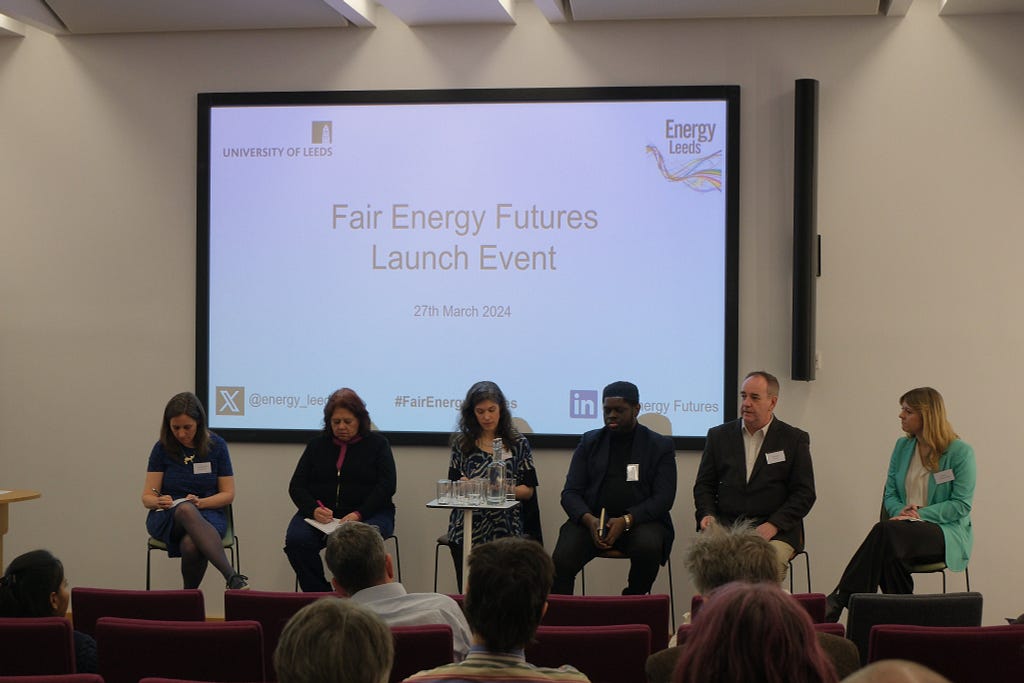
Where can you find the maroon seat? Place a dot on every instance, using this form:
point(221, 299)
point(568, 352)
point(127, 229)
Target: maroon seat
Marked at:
point(609, 610)
point(272, 610)
point(35, 646)
point(89, 604)
point(606, 654)
point(814, 603)
point(132, 649)
point(963, 654)
point(420, 647)
point(54, 678)
point(824, 627)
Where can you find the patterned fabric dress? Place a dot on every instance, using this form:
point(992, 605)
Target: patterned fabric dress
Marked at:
point(491, 524)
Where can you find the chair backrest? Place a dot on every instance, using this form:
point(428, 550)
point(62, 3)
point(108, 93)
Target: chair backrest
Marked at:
point(870, 609)
point(606, 654)
point(994, 654)
point(814, 603)
point(824, 627)
point(89, 604)
point(54, 678)
point(609, 610)
point(272, 610)
point(420, 647)
point(35, 646)
point(132, 649)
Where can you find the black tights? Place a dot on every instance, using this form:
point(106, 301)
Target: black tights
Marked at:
point(200, 543)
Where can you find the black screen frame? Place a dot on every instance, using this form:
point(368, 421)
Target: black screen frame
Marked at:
point(730, 94)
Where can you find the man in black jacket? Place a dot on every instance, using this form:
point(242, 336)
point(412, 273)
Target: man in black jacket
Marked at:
point(757, 468)
point(618, 492)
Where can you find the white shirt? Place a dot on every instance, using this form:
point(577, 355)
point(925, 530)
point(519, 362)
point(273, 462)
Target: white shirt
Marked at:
point(753, 442)
point(396, 607)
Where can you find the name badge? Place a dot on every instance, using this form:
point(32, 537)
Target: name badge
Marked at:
point(943, 476)
point(202, 467)
point(776, 457)
point(633, 472)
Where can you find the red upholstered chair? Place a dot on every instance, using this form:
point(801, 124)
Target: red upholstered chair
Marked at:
point(994, 654)
point(614, 554)
point(814, 603)
point(272, 610)
point(609, 610)
point(606, 654)
point(89, 604)
point(420, 647)
point(157, 679)
point(54, 678)
point(35, 646)
point(824, 627)
point(132, 649)
point(829, 627)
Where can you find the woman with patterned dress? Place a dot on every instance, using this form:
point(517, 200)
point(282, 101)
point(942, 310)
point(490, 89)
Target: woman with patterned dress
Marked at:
point(484, 417)
point(189, 482)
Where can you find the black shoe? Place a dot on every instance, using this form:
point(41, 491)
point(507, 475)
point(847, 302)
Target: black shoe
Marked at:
point(238, 582)
point(833, 608)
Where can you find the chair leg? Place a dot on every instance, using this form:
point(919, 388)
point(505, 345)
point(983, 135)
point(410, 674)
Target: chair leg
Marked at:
point(437, 551)
point(149, 554)
point(583, 580)
point(398, 559)
point(807, 561)
point(943, 581)
point(967, 575)
point(671, 594)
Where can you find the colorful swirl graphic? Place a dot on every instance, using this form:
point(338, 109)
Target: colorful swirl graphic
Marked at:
point(703, 174)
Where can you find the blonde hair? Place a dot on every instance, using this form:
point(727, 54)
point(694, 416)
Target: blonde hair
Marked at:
point(936, 432)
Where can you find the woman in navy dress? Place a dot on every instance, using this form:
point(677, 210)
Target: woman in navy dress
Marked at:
point(484, 417)
point(189, 481)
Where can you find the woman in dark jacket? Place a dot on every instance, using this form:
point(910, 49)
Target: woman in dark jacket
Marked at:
point(347, 473)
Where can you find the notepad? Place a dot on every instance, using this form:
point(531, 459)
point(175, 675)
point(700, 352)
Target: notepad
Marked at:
point(324, 527)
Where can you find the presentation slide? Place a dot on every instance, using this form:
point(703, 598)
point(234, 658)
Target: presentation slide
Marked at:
point(410, 249)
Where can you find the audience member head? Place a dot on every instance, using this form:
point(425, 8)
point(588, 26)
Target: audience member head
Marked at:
point(506, 595)
point(755, 633)
point(895, 671)
point(484, 401)
point(721, 555)
point(184, 425)
point(350, 406)
point(923, 414)
point(355, 555)
point(334, 641)
point(34, 586)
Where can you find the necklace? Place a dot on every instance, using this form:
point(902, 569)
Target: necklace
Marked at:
point(189, 458)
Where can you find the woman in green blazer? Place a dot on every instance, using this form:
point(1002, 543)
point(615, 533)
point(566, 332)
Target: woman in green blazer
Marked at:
point(927, 505)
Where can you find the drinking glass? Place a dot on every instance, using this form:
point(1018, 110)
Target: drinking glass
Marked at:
point(444, 491)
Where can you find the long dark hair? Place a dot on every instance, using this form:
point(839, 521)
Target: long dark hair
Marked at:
point(185, 403)
point(469, 427)
point(28, 583)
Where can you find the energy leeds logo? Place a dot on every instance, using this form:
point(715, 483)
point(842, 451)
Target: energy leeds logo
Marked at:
point(230, 401)
point(583, 403)
point(683, 142)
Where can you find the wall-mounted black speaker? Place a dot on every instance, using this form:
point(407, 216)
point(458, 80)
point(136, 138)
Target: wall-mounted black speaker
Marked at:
point(806, 242)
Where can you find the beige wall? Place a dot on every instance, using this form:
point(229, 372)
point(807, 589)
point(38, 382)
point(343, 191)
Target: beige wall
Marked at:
point(921, 155)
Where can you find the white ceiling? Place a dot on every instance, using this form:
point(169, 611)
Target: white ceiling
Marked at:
point(133, 16)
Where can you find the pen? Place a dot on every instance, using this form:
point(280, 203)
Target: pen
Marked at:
point(600, 528)
point(156, 492)
point(319, 504)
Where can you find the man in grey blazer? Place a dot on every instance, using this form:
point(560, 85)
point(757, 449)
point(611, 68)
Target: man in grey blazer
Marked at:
point(757, 468)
